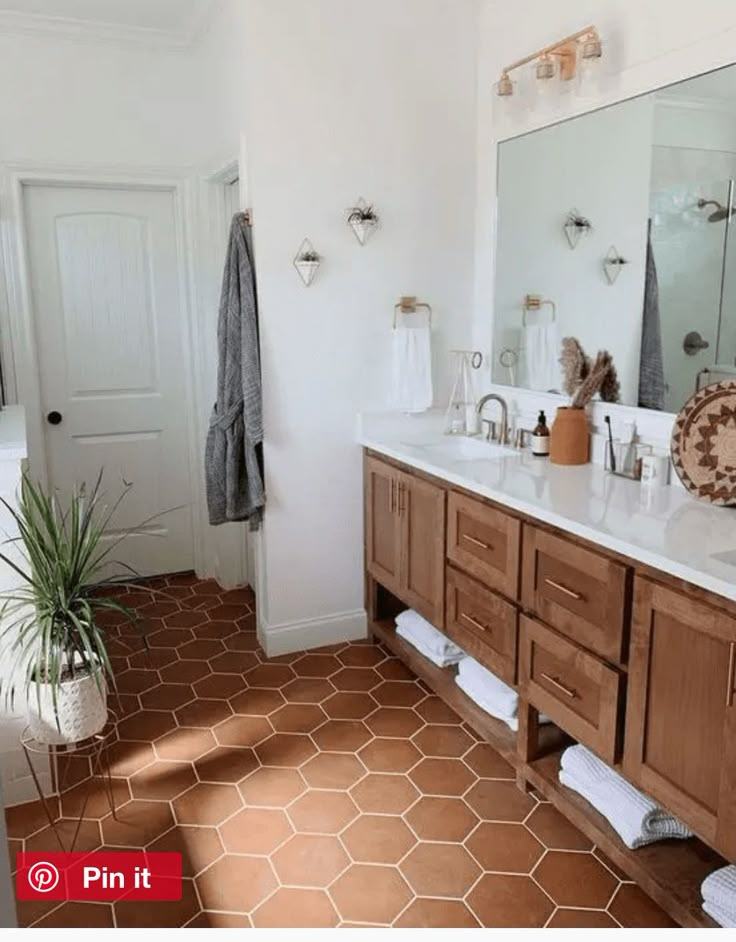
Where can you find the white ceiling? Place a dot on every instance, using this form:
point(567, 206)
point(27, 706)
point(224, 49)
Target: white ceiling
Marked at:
point(175, 21)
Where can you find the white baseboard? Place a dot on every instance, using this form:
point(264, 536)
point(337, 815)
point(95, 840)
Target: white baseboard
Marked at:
point(313, 632)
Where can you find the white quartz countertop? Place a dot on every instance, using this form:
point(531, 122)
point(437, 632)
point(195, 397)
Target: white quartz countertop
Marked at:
point(661, 527)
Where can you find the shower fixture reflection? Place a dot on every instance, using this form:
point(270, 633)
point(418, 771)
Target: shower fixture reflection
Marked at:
point(721, 212)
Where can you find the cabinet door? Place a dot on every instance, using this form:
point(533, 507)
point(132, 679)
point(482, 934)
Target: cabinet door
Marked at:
point(680, 724)
point(422, 514)
point(382, 524)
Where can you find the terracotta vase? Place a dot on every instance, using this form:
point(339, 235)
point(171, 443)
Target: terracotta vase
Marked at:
point(569, 441)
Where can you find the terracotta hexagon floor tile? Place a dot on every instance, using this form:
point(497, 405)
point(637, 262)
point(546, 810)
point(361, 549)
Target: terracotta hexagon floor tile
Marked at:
point(635, 910)
point(236, 884)
point(316, 665)
point(146, 725)
point(396, 693)
point(297, 718)
point(225, 612)
point(204, 713)
point(219, 686)
point(436, 914)
point(29, 911)
point(446, 871)
point(184, 672)
point(269, 675)
point(234, 662)
point(287, 750)
point(575, 879)
point(394, 721)
point(435, 710)
point(211, 920)
point(165, 914)
point(499, 801)
point(361, 655)
point(308, 690)
point(163, 780)
point(137, 823)
point(442, 741)
point(389, 755)
point(322, 812)
point(310, 860)
point(137, 680)
point(342, 736)
point(167, 696)
point(203, 649)
point(378, 839)
point(185, 744)
point(88, 839)
point(504, 848)
point(158, 609)
point(357, 679)
point(207, 804)
point(256, 702)
point(581, 919)
point(242, 641)
point(184, 619)
point(555, 831)
point(447, 777)
point(88, 915)
point(272, 788)
point(93, 796)
point(366, 893)
point(441, 819)
point(333, 770)
point(487, 763)
point(349, 705)
point(384, 794)
point(615, 870)
point(243, 731)
point(394, 669)
point(291, 908)
point(226, 764)
point(217, 631)
point(255, 831)
point(152, 658)
point(199, 847)
point(170, 637)
point(125, 758)
point(502, 901)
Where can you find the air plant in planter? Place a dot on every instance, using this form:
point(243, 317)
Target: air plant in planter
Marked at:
point(576, 225)
point(52, 643)
point(306, 261)
point(363, 220)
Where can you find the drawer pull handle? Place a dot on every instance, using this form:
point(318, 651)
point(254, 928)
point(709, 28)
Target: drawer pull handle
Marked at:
point(480, 543)
point(731, 672)
point(562, 588)
point(472, 621)
point(561, 687)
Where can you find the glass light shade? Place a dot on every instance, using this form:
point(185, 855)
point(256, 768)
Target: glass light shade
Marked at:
point(589, 66)
point(504, 88)
point(545, 69)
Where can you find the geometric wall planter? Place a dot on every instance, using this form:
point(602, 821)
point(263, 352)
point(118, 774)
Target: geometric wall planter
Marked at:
point(363, 220)
point(613, 264)
point(575, 227)
point(307, 262)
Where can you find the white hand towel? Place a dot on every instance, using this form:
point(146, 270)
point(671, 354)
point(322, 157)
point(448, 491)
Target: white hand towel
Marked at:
point(635, 817)
point(491, 689)
point(541, 353)
point(719, 896)
point(427, 635)
point(412, 368)
point(440, 660)
point(489, 706)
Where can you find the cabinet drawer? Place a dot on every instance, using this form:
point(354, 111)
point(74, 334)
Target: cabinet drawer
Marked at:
point(484, 543)
point(577, 691)
point(582, 594)
point(483, 624)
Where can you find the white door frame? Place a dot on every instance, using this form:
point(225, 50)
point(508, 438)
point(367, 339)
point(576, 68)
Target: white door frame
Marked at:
point(21, 326)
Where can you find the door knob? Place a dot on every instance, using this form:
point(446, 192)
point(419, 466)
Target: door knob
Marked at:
point(54, 418)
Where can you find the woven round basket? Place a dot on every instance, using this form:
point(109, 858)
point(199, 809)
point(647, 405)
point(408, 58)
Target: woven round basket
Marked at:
point(704, 444)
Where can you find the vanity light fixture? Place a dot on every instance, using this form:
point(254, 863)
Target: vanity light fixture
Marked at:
point(577, 53)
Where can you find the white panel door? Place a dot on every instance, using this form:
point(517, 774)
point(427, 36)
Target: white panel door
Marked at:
point(110, 323)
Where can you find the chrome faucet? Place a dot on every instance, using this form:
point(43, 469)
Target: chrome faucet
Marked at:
point(491, 433)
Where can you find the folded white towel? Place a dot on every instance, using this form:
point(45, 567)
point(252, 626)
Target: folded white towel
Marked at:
point(412, 368)
point(541, 351)
point(634, 816)
point(504, 699)
point(425, 633)
point(719, 896)
point(489, 706)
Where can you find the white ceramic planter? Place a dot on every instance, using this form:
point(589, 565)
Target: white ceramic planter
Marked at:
point(307, 270)
point(363, 229)
point(81, 711)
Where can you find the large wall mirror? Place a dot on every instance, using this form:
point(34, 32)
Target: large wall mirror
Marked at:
point(617, 228)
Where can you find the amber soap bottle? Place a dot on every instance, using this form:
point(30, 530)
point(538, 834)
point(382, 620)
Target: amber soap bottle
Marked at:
point(540, 438)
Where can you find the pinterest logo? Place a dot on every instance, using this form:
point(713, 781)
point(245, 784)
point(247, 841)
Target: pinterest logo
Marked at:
point(43, 877)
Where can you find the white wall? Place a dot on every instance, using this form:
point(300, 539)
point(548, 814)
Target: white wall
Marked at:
point(647, 44)
point(541, 177)
point(346, 99)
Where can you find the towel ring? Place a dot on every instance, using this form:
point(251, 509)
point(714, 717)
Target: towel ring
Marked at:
point(533, 302)
point(408, 304)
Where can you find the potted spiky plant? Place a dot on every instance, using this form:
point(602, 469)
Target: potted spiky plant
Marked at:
point(51, 638)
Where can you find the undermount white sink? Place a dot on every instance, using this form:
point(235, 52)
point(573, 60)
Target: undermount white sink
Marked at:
point(464, 449)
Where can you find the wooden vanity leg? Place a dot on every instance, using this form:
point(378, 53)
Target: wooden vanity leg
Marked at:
point(371, 602)
point(527, 741)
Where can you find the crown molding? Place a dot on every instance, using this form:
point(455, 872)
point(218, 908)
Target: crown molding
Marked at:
point(57, 27)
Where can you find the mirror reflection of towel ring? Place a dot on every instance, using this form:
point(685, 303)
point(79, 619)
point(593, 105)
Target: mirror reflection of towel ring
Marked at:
point(508, 358)
point(476, 361)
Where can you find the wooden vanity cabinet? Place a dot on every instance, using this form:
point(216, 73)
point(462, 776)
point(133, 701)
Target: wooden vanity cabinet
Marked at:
point(680, 741)
point(405, 537)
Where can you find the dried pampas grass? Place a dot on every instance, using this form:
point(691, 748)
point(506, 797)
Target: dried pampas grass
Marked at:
point(593, 381)
point(575, 365)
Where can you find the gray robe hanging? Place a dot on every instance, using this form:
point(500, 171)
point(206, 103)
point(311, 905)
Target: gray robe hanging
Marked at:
point(233, 456)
